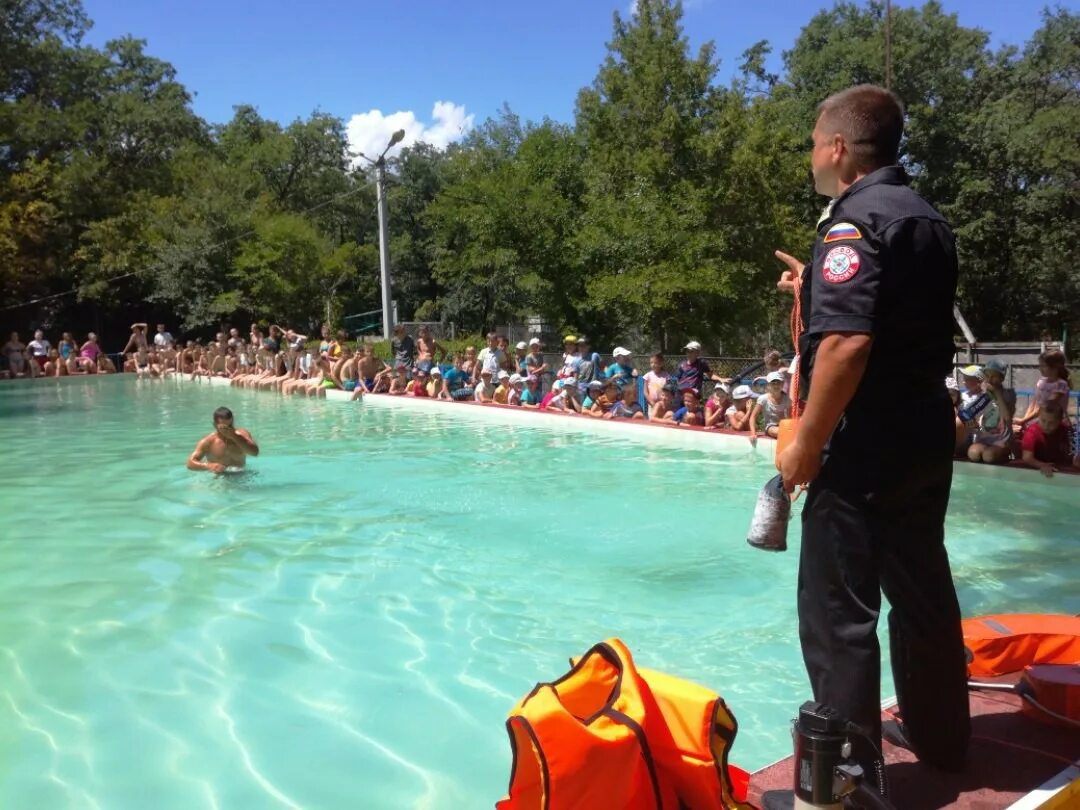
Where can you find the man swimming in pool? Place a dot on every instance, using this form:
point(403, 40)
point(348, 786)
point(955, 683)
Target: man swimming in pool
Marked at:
point(227, 447)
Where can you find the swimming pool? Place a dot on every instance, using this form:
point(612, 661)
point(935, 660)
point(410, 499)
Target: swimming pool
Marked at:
point(348, 624)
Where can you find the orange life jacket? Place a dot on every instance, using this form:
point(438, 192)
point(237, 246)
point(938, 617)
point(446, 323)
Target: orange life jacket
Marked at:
point(998, 645)
point(610, 735)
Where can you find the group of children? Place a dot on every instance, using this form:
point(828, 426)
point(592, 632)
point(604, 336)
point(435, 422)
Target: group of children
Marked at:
point(524, 377)
point(39, 358)
point(582, 384)
point(989, 431)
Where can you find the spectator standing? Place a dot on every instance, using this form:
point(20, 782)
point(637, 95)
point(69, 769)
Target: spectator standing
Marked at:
point(656, 378)
point(426, 347)
point(571, 357)
point(163, 338)
point(491, 359)
point(39, 349)
point(693, 371)
point(622, 370)
point(534, 362)
point(403, 348)
point(521, 353)
point(591, 365)
point(1053, 386)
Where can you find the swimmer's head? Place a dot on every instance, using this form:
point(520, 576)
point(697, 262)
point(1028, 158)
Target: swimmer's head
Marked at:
point(223, 417)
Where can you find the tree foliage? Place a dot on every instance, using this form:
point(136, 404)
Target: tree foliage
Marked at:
point(651, 217)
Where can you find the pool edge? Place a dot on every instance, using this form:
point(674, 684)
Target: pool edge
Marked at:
point(644, 432)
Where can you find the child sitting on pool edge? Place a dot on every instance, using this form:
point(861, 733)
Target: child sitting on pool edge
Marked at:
point(717, 406)
point(484, 389)
point(992, 442)
point(773, 405)
point(502, 391)
point(738, 415)
point(627, 407)
point(530, 397)
point(1047, 443)
point(690, 413)
point(663, 410)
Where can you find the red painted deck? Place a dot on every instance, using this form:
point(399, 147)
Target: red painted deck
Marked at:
point(1010, 756)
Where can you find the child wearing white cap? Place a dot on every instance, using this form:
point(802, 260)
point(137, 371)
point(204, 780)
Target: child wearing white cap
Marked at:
point(436, 388)
point(622, 369)
point(717, 405)
point(521, 352)
point(992, 442)
point(774, 405)
point(693, 371)
point(738, 415)
point(534, 362)
point(517, 385)
point(484, 388)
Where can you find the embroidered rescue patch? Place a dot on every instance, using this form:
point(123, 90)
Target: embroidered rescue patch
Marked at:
point(841, 264)
point(842, 230)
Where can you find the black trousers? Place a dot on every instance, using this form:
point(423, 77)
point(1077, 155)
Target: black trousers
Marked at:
point(857, 543)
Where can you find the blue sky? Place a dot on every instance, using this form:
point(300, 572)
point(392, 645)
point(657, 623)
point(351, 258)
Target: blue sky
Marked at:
point(374, 59)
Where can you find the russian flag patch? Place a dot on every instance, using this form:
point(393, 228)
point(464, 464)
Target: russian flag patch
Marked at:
point(842, 230)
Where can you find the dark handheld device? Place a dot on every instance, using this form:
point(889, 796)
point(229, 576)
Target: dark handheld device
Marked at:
point(825, 774)
point(769, 526)
point(821, 746)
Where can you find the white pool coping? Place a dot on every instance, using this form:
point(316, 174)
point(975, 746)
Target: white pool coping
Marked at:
point(637, 431)
point(499, 414)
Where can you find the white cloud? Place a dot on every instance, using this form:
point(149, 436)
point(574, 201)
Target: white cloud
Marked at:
point(370, 132)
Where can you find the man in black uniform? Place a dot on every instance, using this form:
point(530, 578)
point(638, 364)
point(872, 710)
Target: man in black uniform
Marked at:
point(876, 436)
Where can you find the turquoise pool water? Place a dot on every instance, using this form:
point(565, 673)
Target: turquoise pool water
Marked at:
point(347, 625)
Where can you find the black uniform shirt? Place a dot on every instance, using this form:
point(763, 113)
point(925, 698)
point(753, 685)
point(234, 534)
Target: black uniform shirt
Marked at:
point(884, 263)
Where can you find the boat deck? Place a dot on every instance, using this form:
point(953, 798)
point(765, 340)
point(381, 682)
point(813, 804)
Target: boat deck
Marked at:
point(1011, 756)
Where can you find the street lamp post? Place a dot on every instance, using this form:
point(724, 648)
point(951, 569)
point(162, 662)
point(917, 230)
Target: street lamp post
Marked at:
point(384, 235)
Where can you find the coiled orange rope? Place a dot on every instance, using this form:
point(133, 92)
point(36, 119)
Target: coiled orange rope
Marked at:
point(796, 334)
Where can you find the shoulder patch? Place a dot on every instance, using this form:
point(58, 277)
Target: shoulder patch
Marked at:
point(842, 230)
point(840, 265)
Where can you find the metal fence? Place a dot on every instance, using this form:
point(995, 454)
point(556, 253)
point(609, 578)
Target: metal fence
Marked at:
point(438, 329)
